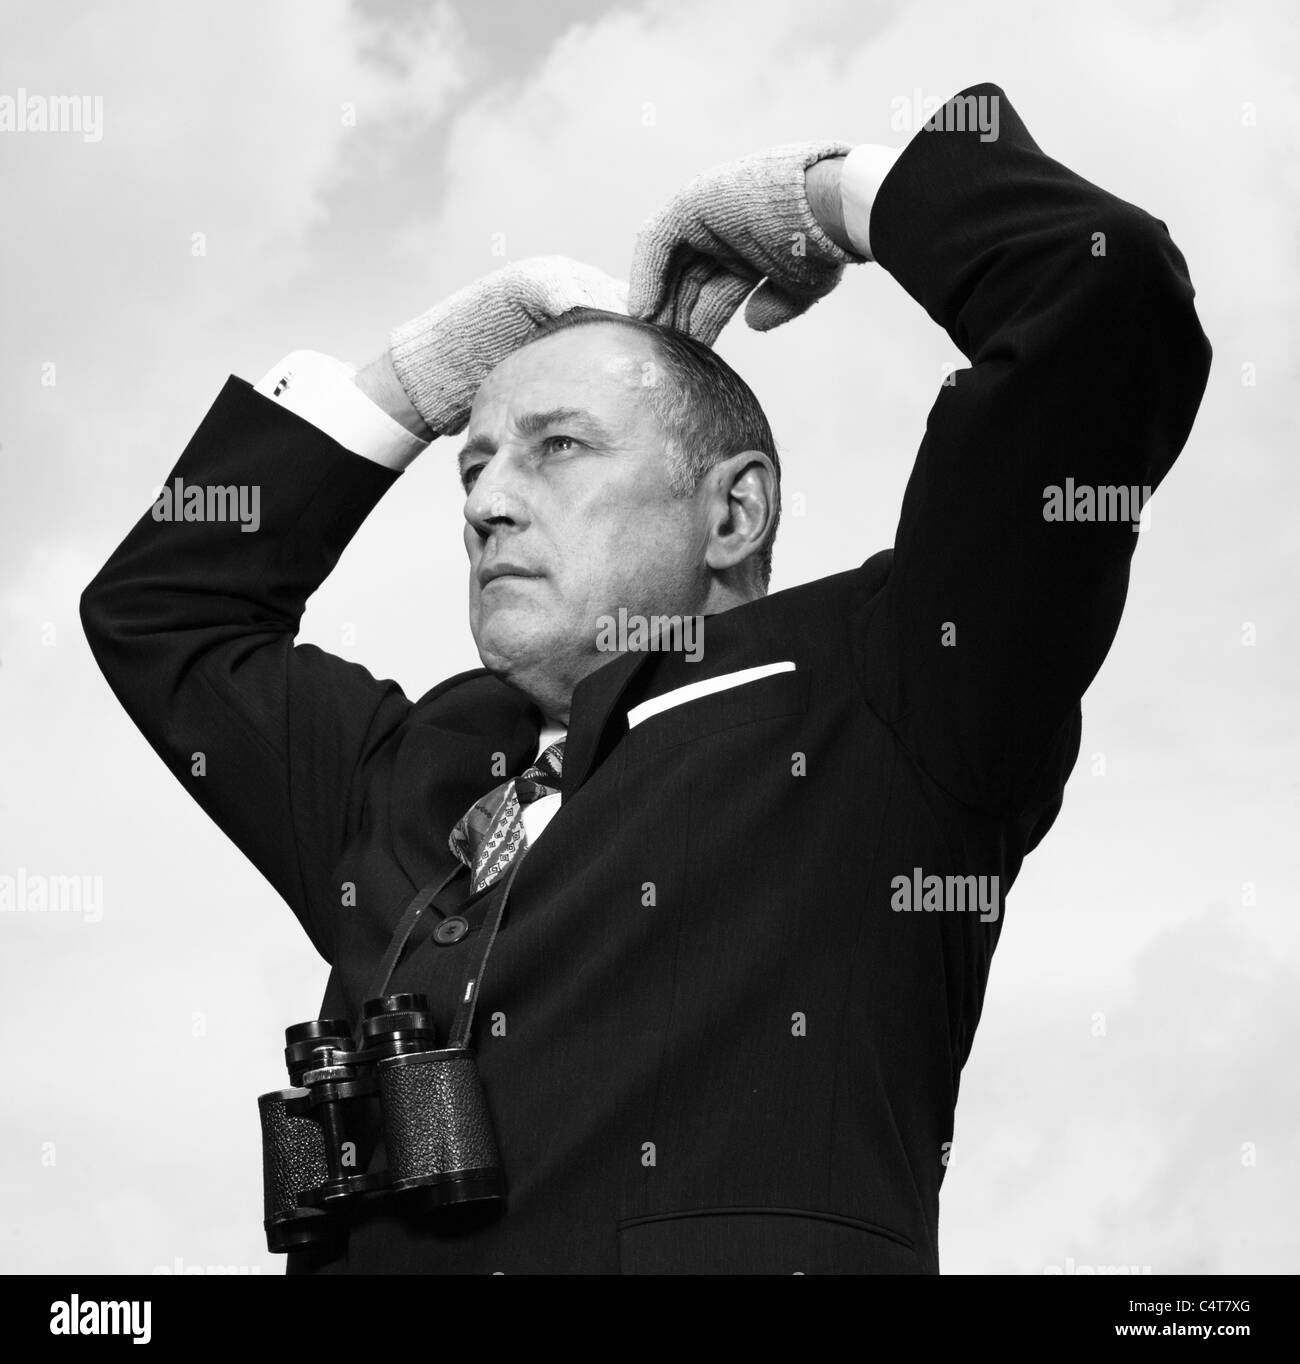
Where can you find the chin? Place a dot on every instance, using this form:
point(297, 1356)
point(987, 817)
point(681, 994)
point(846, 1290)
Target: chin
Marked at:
point(514, 646)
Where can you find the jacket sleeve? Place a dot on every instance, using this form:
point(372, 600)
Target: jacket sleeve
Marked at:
point(193, 624)
point(1087, 363)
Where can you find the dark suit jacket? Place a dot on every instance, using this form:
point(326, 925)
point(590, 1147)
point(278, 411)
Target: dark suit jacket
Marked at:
point(719, 1046)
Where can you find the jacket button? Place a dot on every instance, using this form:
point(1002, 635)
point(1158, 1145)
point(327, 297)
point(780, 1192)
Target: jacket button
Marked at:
point(450, 930)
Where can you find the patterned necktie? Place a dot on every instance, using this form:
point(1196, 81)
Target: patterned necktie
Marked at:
point(490, 834)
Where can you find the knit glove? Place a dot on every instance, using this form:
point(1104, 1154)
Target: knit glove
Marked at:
point(442, 356)
point(697, 259)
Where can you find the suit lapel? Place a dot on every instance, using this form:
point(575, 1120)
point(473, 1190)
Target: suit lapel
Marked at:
point(446, 764)
point(596, 719)
point(486, 711)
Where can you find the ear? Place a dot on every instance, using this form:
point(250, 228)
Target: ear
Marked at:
point(742, 506)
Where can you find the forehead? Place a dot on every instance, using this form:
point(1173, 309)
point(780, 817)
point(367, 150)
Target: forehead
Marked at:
point(600, 366)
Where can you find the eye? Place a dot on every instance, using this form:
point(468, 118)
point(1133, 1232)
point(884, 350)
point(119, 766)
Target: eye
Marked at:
point(553, 443)
point(470, 476)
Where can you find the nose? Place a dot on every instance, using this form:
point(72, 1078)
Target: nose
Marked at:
point(496, 500)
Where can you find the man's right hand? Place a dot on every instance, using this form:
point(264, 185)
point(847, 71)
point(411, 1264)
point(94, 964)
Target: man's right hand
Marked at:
point(439, 359)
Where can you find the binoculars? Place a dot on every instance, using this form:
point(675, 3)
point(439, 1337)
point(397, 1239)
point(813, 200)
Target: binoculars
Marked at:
point(393, 1085)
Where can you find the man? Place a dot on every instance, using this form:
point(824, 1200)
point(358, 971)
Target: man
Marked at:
point(754, 893)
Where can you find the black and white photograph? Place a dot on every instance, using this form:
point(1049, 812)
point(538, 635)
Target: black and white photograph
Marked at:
point(650, 638)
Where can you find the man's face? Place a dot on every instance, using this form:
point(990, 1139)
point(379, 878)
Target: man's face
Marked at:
point(569, 515)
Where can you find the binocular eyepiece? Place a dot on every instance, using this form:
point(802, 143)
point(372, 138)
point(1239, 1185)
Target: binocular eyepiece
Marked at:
point(394, 1086)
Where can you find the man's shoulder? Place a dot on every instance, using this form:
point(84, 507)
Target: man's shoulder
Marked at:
point(860, 584)
point(458, 730)
point(475, 701)
point(807, 609)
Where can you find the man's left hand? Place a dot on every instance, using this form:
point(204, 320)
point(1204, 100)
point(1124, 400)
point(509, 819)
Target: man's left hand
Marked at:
point(728, 229)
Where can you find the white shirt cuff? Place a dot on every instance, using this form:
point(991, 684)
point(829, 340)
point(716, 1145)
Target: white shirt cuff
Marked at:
point(861, 176)
point(320, 390)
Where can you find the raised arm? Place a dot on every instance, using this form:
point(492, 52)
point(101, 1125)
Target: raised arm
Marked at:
point(193, 618)
point(1087, 367)
point(193, 623)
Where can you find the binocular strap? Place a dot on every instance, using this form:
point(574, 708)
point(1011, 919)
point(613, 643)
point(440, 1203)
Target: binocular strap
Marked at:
point(463, 1022)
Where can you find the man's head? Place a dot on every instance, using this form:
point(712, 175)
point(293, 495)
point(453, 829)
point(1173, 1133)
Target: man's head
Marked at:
point(610, 463)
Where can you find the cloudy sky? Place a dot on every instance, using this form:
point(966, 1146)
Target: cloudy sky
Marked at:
point(274, 176)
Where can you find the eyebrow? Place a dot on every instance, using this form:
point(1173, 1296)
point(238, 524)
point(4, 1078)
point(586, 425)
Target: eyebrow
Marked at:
point(533, 424)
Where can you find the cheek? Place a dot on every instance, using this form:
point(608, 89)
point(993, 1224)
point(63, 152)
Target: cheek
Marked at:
point(636, 554)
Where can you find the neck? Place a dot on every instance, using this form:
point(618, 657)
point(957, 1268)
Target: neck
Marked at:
point(551, 689)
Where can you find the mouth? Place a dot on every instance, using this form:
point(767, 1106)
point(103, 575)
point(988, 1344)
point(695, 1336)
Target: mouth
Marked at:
point(492, 573)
